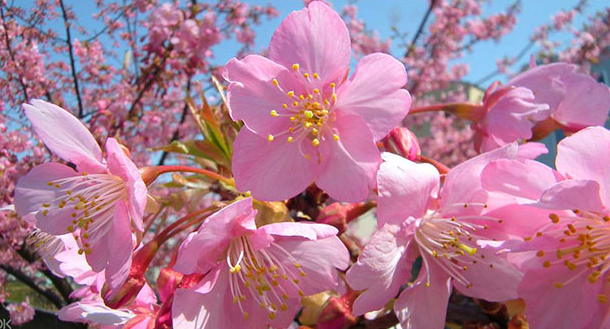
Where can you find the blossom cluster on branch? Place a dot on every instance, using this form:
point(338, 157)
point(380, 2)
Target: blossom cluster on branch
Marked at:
point(299, 195)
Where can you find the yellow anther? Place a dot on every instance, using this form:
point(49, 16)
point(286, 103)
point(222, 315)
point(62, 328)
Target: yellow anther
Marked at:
point(308, 114)
point(558, 285)
point(290, 94)
point(273, 113)
point(85, 173)
point(306, 75)
point(540, 253)
point(275, 82)
point(292, 118)
point(283, 307)
point(332, 85)
point(284, 295)
point(70, 228)
point(289, 139)
point(270, 137)
point(301, 293)
point(307, 124)
point(546, 263)
point(427, 284)
point(336, 137)
point(334, 96)
point(316, 91)
point(316, 76)
point(45, 212)
point(57, 186)
point(246, 315)
point(602, 298)
point(303, 274)
point(295, 67)
point(235, 299)
point(316, 104)
point(235, 269)
point(50, 183)
point(302, 96)
point(467, 249)
point(314, 131)
point(271, 316)
point(315, 142)
point(295, 103)
point(46, 205)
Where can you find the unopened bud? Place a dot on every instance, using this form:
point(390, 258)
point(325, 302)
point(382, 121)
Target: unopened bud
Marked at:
point(403, 142)
point(338, 214)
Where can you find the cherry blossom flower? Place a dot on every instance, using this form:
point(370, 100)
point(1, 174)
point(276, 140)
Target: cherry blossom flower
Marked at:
point(21, 313)
point(508, 115)
point(304, 121)
point(576, 100)
point(564, 252)
point(448, 229)
point(254, 277)
point(138, 315)
point(98, 203)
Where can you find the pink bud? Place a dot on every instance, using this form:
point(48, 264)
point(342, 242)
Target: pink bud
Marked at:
point(338, 214)
point(403, 142)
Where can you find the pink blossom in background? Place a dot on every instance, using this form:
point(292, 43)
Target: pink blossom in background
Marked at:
point(98, 203)
point(564, 253)
point(20, 313)
point(304, 121)
point(576, 100)
point(508, 115)
point(253, 277)
point(448, 229)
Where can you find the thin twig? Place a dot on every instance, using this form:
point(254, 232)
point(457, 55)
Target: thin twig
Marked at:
point(177, 131)
point(420, 29)
point(72, 62)
point(11, 54)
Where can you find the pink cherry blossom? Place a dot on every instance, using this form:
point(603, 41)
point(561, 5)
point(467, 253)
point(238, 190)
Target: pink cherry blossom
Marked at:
point(576, 100)
point(254, 277)
point(509, 114)
point(138, 315)
point(448, 229)
point(304, 121)
point(564, 254)
point(98, 203)
point(20, 313)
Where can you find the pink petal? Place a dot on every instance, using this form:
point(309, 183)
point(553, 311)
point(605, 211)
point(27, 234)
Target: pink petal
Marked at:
point(65, 135)
point(310, 231)
point(573, 194)
point(419, 306)
point(559, 308)
point(405, 189)
point(32, 189)
point(585, 155)
point(119, 164)
point(546, 82)
point(93, 311)
point(463, 182)
point(317, 39)
point(271, 170)
point(119, 247)
point(252, 94)
point(319, 260)
point(384, 259)
point(375, 93)
point(350, 164)
point(532, 150)
point(525, 179)
point(204, 248)
point(586, 104)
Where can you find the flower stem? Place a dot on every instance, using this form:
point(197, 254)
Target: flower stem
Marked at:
point(442, 169)
point(158, 170)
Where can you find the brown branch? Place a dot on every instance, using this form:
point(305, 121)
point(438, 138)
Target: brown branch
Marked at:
point(177, 131)
point(10, 52)
point(420, 29)
point(72, 61)
point(48, 294)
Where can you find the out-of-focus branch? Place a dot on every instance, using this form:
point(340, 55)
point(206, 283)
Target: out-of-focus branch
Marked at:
point(48, 294)
point(177, 131)
point(72, 61)
point(10, 51)
point(420, 29)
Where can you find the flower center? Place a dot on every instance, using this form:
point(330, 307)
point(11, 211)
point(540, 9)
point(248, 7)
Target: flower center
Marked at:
point(92, 199)
point(261, 276)
point(452, 242)
point(308, 112)
point(584, 245)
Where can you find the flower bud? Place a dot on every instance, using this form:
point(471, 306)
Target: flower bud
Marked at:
point(403, 142)
point(338, 214)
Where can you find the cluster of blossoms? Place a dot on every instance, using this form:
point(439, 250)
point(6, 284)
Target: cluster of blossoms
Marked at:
point(295, 132)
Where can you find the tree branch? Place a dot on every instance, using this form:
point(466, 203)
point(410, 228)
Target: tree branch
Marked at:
point(48, 294)
point(177, 131)
point(72, 62)
point(420, 29)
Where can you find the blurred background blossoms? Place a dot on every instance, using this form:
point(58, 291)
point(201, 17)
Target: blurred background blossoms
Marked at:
point(157, 85)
